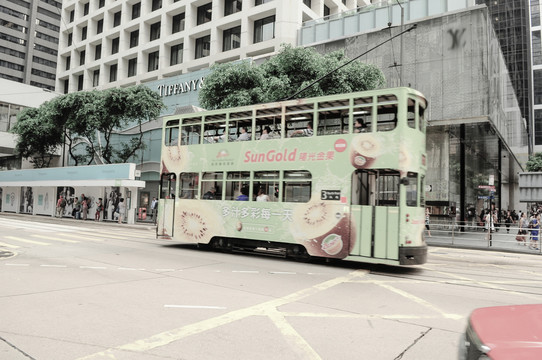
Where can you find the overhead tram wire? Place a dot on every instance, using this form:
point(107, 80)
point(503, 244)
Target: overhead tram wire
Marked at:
point(348, 62)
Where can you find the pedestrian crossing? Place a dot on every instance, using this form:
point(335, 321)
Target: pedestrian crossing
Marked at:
point(16, 234)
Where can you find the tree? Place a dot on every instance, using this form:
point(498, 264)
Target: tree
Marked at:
point(85, 122)
point(292, 69)
point(535, 162)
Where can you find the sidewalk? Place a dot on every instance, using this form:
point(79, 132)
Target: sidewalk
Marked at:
point(70, 221)
point(500, 240)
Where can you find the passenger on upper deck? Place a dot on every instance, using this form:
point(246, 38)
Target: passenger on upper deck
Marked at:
point(265, 133)
point(359, 126)
point(244, 135)
point(304, 132)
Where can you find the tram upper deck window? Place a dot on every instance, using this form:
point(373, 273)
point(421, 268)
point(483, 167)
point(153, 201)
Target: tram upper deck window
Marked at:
point(363, 114)
point(190, 131)
point(240, 126)
point(171, 137)
point(386, 119)
point(270, 120)
point(333, 117)
point(214, 129)
point(296, 186)
point(422, 104)
point(411, 113)
point(299, 120)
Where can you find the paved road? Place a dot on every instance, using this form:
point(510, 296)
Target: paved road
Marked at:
point(78, 290)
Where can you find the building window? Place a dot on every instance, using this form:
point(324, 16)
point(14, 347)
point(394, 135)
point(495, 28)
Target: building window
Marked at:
point(80, 82)
point(155, 31)
point(84, 33)
point(100, 26)
point(132, 67)
point(231, 38)
point(537, 48)
point(153, 61)
point(232, 6)
point(70, 39)
point(68, 62)
point(134, 38)
point(116, 19)
point(260, 2)
point(537, 82)
point(95, 78)
point(203, 46)
point(85, 9)
point(101, 4)
point(98, 53)
point(156, 4)
point(115, 45)
point(82, 55)
point(327, 11)
point(264, 29)
point(204, 13)
point(307, 2)
point(66, 86)
point(72, 15)
point(178, 23)
point(176, 54)
point(113, 73)
point(136, 11)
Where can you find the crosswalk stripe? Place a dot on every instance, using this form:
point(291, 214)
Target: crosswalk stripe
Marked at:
point(26, 240)
point(9, 245)
point(54, 238)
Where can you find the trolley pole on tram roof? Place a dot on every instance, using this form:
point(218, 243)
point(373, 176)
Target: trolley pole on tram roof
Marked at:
point(401, 56)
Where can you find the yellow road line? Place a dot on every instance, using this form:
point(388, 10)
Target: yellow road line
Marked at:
point(9, 245)
point(54, 238)
point(26, 240)
point(264, 309)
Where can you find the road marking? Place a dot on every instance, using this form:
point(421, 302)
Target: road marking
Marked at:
point(246, 271)
point(26, 240)
point(195, 307)
point(54, 266)
point(282, 272)
point(85, 237)
point(167, 337)
point(17, 264)
point(93, 267)
point(9, 245)
point(55, 239)
point(130, 269)
point(105, 235)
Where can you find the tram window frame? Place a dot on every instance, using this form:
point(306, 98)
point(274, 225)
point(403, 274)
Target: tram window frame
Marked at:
point(171, 137)
point(363, 187)
point(271, 117)
point(387, 108)
point(411, 188)
point(296, 186)
point(189, 185)
point(169, 190)
point(237, 183)
point(421, 116)
point(269, 181)
point(422, 192)
point(412, 112)
point(234, 129)
point(297, 117)
point(387, 183)
point(212, 179)
point(215, 132)
point(190, 131)
point(333, 117)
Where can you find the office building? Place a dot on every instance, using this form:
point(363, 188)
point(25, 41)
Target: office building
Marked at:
point(29, 33)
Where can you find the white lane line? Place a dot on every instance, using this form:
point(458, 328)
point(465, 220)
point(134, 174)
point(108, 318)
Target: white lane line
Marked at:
point(195, 307)
point(26, 241)
point(53, 266)
point(282, 272)
point(93, 267)
point(17, 264)
point(9, 245)
point(130, 269)
point(55, 239)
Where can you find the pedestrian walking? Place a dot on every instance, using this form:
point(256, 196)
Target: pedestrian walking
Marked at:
point(60, 206)
point(154, 205)
point(99, 208)
point(427, 222)
point(121, 210)
point(535, 228)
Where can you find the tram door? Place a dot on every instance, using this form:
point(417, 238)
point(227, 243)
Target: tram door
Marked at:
point(166, 205)
point(375, 211)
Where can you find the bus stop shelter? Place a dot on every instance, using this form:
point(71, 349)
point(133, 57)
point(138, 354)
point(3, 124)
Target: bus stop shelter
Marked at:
point(36, 191)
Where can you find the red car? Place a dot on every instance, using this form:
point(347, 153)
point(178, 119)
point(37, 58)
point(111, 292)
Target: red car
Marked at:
point(503, 333)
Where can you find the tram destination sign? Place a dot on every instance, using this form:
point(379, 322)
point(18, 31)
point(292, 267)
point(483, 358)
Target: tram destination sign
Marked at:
point(330, 195)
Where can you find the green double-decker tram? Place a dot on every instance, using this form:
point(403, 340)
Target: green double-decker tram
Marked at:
point(338, 176)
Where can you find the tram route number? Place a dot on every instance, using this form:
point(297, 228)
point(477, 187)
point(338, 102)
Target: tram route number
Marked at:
point(330, 195)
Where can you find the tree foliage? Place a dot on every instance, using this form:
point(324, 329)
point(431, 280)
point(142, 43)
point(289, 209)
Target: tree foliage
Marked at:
point(238, 84)
point(86, 120)
point(534, 163)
